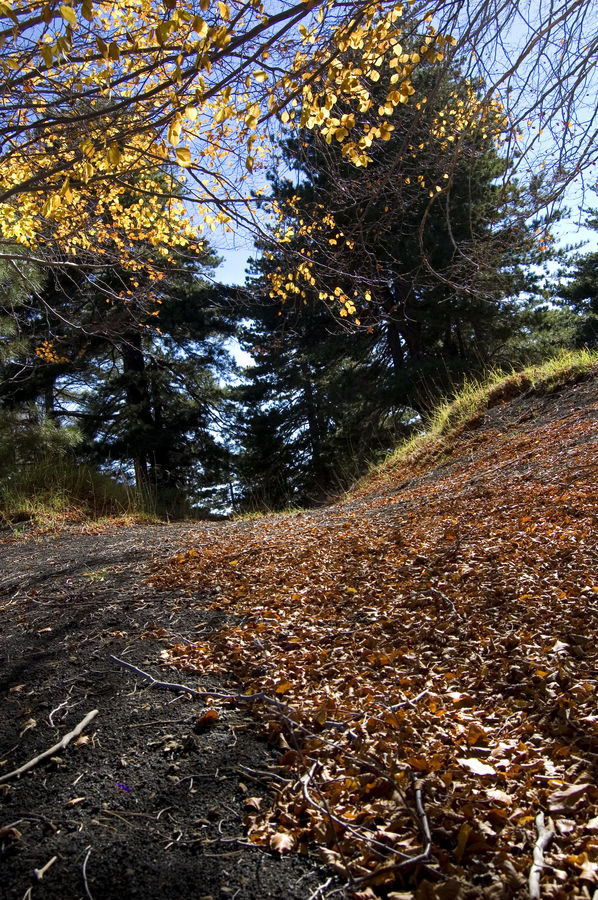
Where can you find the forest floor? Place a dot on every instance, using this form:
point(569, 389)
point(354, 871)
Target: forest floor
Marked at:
point(424, 656)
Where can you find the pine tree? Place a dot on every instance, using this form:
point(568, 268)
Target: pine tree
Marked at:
point(137, 374)
point(436, 273)
point(316, 409)
point(428, 292)
point(580, 293)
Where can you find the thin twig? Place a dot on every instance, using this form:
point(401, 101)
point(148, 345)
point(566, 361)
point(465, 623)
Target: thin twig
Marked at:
point(423, 819)
point(39, 873)
point(55, 710)
point(408, 702)
point(167, 685)
point(346, 826)
point(545, 835)
point(47, 753)
point(319, 891)
point(201, 695)
point(327, 811)
point(159, 722)
point(87, 891)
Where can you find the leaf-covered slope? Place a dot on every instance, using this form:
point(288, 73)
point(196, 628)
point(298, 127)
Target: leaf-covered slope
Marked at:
point(434, 637)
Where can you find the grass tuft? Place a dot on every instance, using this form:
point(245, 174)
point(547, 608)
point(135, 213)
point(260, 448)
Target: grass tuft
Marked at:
point(467, 407)
point(55, 491)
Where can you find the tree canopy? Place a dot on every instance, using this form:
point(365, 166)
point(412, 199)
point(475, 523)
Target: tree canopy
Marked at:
point(98, 97)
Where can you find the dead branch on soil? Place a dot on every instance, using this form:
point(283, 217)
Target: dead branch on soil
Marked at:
point(201, 695)
point(52, 750)
point(421, 858)
point(170, 686)
point(367, 839)
point(422, 818)
point(545, 835)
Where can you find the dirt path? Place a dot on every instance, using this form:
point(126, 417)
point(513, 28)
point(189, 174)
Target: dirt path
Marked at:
point(144, 804)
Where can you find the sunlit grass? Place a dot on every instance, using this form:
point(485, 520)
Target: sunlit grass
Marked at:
point(477, 396)
point(56, 491)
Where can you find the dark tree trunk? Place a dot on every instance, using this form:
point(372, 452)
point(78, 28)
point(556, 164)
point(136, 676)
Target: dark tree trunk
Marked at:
point(49, 400)
point(320, 472)
point(138, 399)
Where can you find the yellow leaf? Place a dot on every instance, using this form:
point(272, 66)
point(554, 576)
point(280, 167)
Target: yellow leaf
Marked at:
point(102, 47)
point(224, 10)
point(260, 76)
point(47, 55)
point(183, 156)
point(464, 833)
point(65, 190)
point(68, 14)
point(7, 10)
point(283, 687)
point(199, 26)
point(114, 154)
point(174, 133)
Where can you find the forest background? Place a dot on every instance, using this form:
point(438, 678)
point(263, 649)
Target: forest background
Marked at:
point(402, 173)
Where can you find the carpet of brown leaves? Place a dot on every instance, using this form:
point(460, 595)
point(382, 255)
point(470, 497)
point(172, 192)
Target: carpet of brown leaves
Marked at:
point(433, 648)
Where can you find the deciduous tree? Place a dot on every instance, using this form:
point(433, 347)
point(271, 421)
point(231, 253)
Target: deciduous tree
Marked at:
point(97, 96)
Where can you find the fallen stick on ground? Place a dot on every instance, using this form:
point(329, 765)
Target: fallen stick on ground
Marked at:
point(201, 695)
point(87, 891)
point(47, 753)
point(545, 835)
point(39, 873)
point(423, 819)
point(170, 686)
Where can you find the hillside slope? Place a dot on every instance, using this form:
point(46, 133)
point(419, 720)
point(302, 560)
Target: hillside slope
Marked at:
point(429, 649)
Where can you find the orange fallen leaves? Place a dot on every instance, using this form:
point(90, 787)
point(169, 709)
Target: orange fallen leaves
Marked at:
point(445, 631)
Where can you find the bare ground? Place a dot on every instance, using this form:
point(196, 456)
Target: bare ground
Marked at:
point(144, 805)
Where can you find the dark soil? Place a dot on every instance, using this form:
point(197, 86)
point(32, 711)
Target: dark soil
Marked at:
point(144, 805)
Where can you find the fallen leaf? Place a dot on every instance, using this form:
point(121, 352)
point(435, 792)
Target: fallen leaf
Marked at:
point(589, 872)
point(30, 723)
point(464, 833)
point(206, 720)
point(477, 766)
point(568, 798)
point(499, 796)
point(282, 841)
